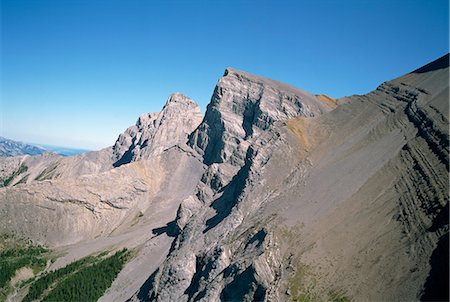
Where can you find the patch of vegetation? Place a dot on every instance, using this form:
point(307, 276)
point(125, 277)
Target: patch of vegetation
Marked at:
point(84, 280)
point(337, 296)
point(47, 172)
point(14, 258)
point(22, 169)
point(47, 279)
point(89, 283)
point(304, 288)
point(312, 294)
point(307, 294)
point(22, 180)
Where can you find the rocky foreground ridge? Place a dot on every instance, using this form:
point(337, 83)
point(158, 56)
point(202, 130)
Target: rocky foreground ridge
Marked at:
point(275, 195)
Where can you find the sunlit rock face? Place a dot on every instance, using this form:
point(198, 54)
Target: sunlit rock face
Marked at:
point(302, 189)
point(275, 195)
point(156, 132)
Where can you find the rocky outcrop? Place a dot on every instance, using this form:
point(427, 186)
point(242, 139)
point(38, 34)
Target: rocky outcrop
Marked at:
point(152, 134)
point(236, 139)
point(289, 183)
point(156, 132)
point(241, 108)
point(53, 166)
point(276, 195)
point(97, 195)
point(101, 204)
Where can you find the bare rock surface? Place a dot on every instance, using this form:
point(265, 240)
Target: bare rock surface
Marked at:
point(152, 134)
point(155, 132)
point(317, 204)
point(235, 139)
point(276, 195)
point(241, 108)
point(97, 204)
point(26, 169)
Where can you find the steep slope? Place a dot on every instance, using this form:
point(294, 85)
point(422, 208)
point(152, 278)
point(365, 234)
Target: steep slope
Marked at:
point(179, 117)
point(351, 203)
point(82, 204)
point(87, 197)
point(236, 138)
point(276, 195)
point(10, 147)
point(152, 134)
point(379, 233)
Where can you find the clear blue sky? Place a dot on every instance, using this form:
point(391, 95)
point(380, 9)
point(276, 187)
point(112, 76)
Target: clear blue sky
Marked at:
point(77, 73)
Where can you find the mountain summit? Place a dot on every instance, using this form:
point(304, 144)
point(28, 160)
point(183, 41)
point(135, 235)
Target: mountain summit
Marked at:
point(155, 132)
point(275, 195)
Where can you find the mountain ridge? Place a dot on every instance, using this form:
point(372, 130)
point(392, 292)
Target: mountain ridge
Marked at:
point(274, 194)
point(9, 147)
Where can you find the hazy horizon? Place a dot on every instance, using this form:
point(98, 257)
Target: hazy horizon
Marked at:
point(78, 73)
point(52, 148)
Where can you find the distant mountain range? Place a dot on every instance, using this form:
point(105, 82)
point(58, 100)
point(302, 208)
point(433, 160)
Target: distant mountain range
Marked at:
point(65, 151)
point(9, 147)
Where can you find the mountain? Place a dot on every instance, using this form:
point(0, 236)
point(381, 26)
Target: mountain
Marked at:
point(275, 194)
point(65, 151)
point(10, 147)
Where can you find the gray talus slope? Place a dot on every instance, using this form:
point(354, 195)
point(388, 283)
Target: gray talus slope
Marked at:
point(351, 203)
point(374, 206)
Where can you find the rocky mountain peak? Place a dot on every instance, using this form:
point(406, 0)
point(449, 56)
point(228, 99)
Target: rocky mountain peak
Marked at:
point(262, 213)
point(279, 183)
point(179, 98)
point(155, 132)
point(242, 106)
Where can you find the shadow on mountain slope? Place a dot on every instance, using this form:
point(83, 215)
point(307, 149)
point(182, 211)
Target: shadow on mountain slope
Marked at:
point(442, 62)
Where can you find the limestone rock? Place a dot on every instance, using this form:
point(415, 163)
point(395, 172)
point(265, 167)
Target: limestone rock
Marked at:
point(155, 132)
point(242, 107)
point(236, 138)
point(53, 166)
point(353, 200)
point(278, 195)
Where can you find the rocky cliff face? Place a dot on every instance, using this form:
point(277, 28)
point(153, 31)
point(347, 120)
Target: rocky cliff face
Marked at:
point(156, 132)
point(276, 195)
point(297, 202)
point(235, 139)
point(101, 197)
point(152, 134)
point(242, 107)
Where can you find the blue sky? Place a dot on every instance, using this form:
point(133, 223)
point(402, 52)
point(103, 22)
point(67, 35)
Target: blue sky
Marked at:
point(77, 73)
